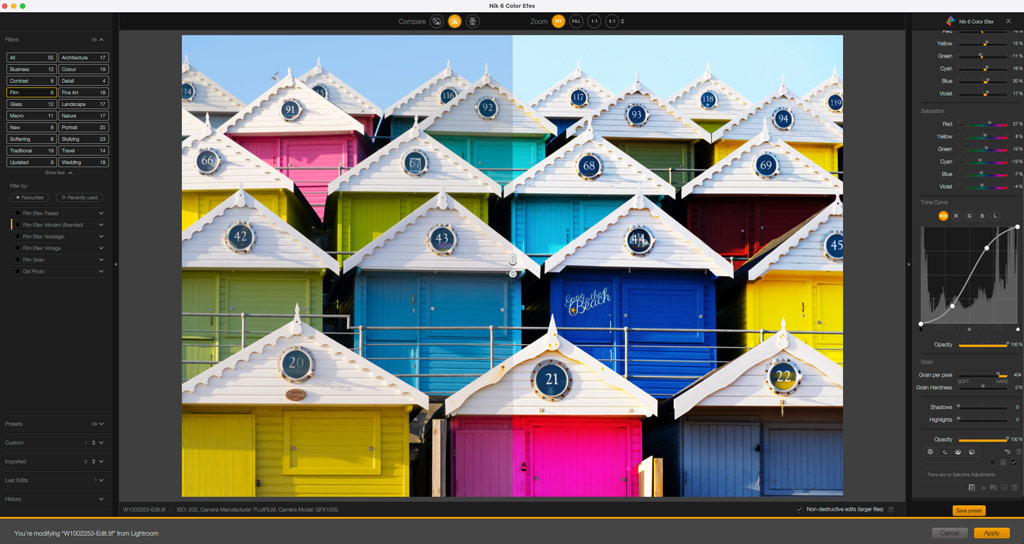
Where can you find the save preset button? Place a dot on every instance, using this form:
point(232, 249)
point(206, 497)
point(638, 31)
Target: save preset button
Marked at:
point(991, 532)
point(970, 510)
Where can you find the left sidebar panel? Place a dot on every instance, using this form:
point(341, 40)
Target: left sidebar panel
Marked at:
point(60, 259)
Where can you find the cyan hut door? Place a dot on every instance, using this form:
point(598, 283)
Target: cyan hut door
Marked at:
point(548, 226)
point(391, 302)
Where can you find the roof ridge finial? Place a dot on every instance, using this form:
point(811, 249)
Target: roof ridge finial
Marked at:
point(297, 318)
point(289, 72)
point(186, 59)
point(416, 123)
point(783, 325)
point(487, 71)
point(442, 199)
point(448, 68)
point(637, 80)
point(764, 129)
point(208, 125)
point(579, 66)
point(782, 87)
point(318, 65)
point(297, 321)
point(552, 329)
point(835, 73)
point(707, 68)
point(639, 198)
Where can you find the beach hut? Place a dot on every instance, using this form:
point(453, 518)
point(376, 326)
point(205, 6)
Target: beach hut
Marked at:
point(492, 129)
point(441, 283)
point(302, 134)
point(799, 278)
point(201, 95)
point(214, 166)
point(424, 100)
point(570, 190)
point(709, 101)
point(827, 98)
point(340, 94)
point(190, 124)
point(295, 414)
point(647, 129)
point(242, 258)
point(369, 199)
point(574, 97)
point(769, 423)
point(791, 120)
point(755, 194)
point(638, 268)
point(550, 421)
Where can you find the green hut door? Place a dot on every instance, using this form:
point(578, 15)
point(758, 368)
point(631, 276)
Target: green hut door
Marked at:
point(198, 334)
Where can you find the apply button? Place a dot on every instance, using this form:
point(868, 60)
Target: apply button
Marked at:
point(973, 510)
point(991, 532)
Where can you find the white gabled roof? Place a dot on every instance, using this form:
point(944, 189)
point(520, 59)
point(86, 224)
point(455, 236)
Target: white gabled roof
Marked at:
point(743, 381)
point(190, 124)
point(818, 96)
point(278, 246)
point(238, 166)
point(554, 102)
point(735, 174)
point(478, 247)
point(210, 97)
point(804, 249)
point(340, 93)
point(507, 389)
point(514, 115)
point(340, 376)
point(424, 100)
point(603, 245)
point(664, 122)
point(731, 104)
point(446, 171)
point(808, 125)
point(621, 174)
point(263, 115)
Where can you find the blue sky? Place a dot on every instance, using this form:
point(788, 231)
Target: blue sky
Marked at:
point(385, 68)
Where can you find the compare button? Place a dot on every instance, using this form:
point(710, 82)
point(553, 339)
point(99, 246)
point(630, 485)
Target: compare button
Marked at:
point(973, 510)
point(991, 532)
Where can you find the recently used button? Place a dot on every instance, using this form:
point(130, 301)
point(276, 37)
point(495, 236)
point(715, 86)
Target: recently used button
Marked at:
point(991, 532)
point(974, 510)
point(949, 532)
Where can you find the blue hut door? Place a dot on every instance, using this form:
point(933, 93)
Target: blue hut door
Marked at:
point(391, 302)
point(721, 460)
point(664, 305)
point(589, 303)
point(548, 227)
point(803, 460)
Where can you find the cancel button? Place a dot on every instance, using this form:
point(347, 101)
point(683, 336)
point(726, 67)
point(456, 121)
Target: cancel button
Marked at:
point(949, 532)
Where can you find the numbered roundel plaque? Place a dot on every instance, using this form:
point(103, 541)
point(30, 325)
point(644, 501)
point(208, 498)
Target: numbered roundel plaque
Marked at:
point(487, 108)
point(296, 365)
point(415, 163)
point(188, 91)
point(321, 89)
point(240, 237)
point(766, 165)
point(782, 118)
point(636, 115)
point(446, 95)
point(833, 246)
point(207, 161)
point(291, 110)
point(589, 166)
point(579, 98)
point(639, 240)
point(709, 100)
point(551, 380)
point(442, 240)
point(783, 375)
point(835, 102)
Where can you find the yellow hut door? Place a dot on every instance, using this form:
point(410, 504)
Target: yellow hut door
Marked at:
point(784, 299)
point(830, 318)
point(218, 455)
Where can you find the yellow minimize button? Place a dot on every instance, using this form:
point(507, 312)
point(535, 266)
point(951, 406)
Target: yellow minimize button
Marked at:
point(991, 532)
point(973, 510)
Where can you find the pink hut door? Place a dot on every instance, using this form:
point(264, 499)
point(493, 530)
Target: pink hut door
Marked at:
point(580, 461)
point(488, 463)
point(326, 154)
